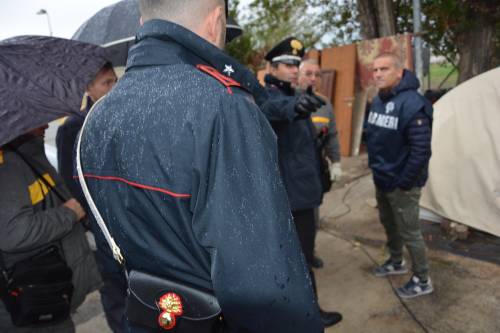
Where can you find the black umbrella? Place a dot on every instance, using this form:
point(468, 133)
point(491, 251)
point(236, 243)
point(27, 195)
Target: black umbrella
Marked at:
point(114, 27)
point(42, 79)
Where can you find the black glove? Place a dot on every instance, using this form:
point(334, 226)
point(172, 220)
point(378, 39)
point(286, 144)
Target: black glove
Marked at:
point(308, 103)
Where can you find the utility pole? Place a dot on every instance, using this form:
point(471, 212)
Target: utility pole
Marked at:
point(44, 12)
point(417, 37)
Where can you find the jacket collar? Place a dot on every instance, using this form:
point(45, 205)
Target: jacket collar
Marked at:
point(183, 46)
point(408, 82)
point(285, 87)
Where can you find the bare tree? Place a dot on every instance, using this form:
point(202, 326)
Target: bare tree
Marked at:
point(376, 18)
point(475, 48)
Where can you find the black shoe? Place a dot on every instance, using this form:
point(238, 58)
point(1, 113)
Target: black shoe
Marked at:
point(317, 262)
point(330, 318)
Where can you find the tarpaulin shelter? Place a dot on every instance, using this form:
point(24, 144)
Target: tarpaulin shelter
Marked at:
point(464, 171)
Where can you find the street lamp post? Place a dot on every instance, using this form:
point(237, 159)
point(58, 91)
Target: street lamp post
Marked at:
point(44, 12)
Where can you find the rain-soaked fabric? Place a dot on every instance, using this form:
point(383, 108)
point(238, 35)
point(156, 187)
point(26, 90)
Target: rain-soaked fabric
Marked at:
point(297, 151)
point(185, 173)
point(43, 78)
point(112, 23)
point(113, 26)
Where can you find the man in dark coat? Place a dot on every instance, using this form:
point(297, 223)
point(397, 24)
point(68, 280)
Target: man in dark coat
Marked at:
point(183, 166)
point(114, 288)
point(297, 152)
point(399, 149)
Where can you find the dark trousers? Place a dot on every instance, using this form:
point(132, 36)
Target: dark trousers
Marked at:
point(113, 291)
point(306, 230)
point(317, 225)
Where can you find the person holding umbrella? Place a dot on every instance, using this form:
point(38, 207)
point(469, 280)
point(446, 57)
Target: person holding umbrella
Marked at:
point(44, 251)
point(38, 214)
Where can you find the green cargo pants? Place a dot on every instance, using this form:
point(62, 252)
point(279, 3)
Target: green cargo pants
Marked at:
point(398, 211)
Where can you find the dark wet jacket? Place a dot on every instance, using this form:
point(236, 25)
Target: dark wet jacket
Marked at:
point(65, 142)
point(399, 136)
point(184, 170)
point(297, 152)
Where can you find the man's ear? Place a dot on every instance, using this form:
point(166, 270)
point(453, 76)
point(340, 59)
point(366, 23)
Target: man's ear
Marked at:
point(213, 26)
point(400, 73)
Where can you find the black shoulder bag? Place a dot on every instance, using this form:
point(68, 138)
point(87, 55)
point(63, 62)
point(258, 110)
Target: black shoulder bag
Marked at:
point(37, 290)
point(154, 302)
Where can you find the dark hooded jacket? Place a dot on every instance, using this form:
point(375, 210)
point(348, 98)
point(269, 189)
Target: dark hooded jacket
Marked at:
point(399, 136)
point(297, 151)
point(183, 167)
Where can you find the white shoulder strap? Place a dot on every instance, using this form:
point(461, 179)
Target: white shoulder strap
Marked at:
point(111, 242)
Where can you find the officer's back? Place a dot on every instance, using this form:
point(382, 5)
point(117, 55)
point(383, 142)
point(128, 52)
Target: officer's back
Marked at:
point(183, 167)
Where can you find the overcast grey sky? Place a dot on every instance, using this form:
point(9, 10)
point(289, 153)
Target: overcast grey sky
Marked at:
point(18, 17)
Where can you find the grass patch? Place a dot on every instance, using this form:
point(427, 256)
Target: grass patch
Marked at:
point(438, 74)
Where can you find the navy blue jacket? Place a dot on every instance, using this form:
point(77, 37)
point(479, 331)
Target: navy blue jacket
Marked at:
point(65, 142)
point(297, 150)
point(399, 136)
point(184, 170)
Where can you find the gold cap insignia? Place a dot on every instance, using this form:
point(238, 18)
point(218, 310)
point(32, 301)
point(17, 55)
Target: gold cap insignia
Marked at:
point(171, 307)
point(296, 46)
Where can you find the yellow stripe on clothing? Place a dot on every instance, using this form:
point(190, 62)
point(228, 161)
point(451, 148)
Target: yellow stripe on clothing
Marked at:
point(1, 157)
point(321, 120)
point(38, 190)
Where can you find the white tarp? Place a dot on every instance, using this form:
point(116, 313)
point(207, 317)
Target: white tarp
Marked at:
point(464, 171)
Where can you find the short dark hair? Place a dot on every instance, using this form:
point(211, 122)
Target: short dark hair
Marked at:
point(106, 67)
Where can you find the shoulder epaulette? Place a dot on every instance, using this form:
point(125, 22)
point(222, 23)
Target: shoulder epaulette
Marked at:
point(225, 80)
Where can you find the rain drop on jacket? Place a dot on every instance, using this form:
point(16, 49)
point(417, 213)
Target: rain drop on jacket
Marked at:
point(184, 171)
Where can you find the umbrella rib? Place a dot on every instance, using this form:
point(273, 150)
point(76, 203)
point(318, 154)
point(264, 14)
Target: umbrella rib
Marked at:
point(127, 39)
